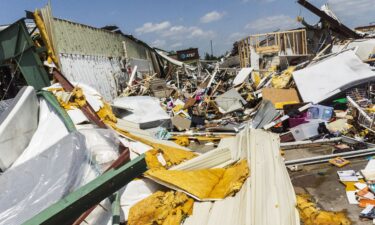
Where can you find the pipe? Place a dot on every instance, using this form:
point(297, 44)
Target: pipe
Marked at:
point(325, 158)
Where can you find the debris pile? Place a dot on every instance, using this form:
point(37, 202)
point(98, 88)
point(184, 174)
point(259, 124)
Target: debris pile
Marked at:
point(115, 131)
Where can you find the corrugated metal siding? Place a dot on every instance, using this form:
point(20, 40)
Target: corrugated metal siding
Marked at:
point(102, 73)
point(144, 66)
point(135, 50)
point(93, 56)
point(73, 38)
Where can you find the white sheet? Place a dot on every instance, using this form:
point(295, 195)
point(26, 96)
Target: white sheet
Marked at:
point(331, 76)
point(242, 76)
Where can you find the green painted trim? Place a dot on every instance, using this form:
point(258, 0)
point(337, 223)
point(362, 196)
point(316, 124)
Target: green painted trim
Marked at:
point(116, 209)
point(72, 206)
point(51, 99)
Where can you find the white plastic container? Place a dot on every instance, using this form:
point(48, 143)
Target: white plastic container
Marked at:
point(305, 131)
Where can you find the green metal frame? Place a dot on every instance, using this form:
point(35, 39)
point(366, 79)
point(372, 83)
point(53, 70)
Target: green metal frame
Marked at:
point(51, 99)
point(72, 206)
point(16, 45)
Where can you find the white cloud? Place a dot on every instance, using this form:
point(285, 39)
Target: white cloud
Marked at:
point(183, 32)
point(212, 16)
point(176, 45)
point(175, 36)
point(356, 8)
point(158, 43)
point(153, 27)
point(272, 23)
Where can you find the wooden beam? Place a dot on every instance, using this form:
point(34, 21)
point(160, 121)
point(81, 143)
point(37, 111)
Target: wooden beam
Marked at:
point(344, 30)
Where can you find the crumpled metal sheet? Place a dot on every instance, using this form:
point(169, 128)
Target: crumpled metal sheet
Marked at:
point(266, 114)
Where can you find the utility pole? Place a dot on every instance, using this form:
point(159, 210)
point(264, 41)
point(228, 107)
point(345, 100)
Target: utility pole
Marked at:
point(212, 50)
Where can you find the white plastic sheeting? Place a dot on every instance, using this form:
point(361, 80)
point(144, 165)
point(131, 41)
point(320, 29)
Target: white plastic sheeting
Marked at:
point(331, 76)
point(50, 130)
point(54, 164)
point(17, 126)
point(103, 145)
point(32, 186)
point(102, 73)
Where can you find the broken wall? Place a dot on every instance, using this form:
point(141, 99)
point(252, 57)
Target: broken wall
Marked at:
point(89, 55)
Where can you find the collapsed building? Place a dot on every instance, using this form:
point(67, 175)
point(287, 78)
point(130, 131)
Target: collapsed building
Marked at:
point(97, 127)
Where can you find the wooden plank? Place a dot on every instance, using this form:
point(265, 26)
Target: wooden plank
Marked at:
point(268, 49)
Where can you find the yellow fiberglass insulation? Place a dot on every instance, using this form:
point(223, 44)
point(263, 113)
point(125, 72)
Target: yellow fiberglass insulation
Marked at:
point(310, 215)
point(206, 183)
point(165, 208)
point(283, 80)
point(172, 157)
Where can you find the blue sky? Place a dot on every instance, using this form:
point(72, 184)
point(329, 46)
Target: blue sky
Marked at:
point(177, 24)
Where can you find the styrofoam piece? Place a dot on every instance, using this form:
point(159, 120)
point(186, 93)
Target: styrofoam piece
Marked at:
point(242, 76)
point(17, 126)
point(331, 76)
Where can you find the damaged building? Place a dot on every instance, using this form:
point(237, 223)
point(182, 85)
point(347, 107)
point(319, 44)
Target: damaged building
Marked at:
point(98, 127)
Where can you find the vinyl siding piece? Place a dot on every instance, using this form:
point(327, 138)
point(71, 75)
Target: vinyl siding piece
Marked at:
point(266, 198)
